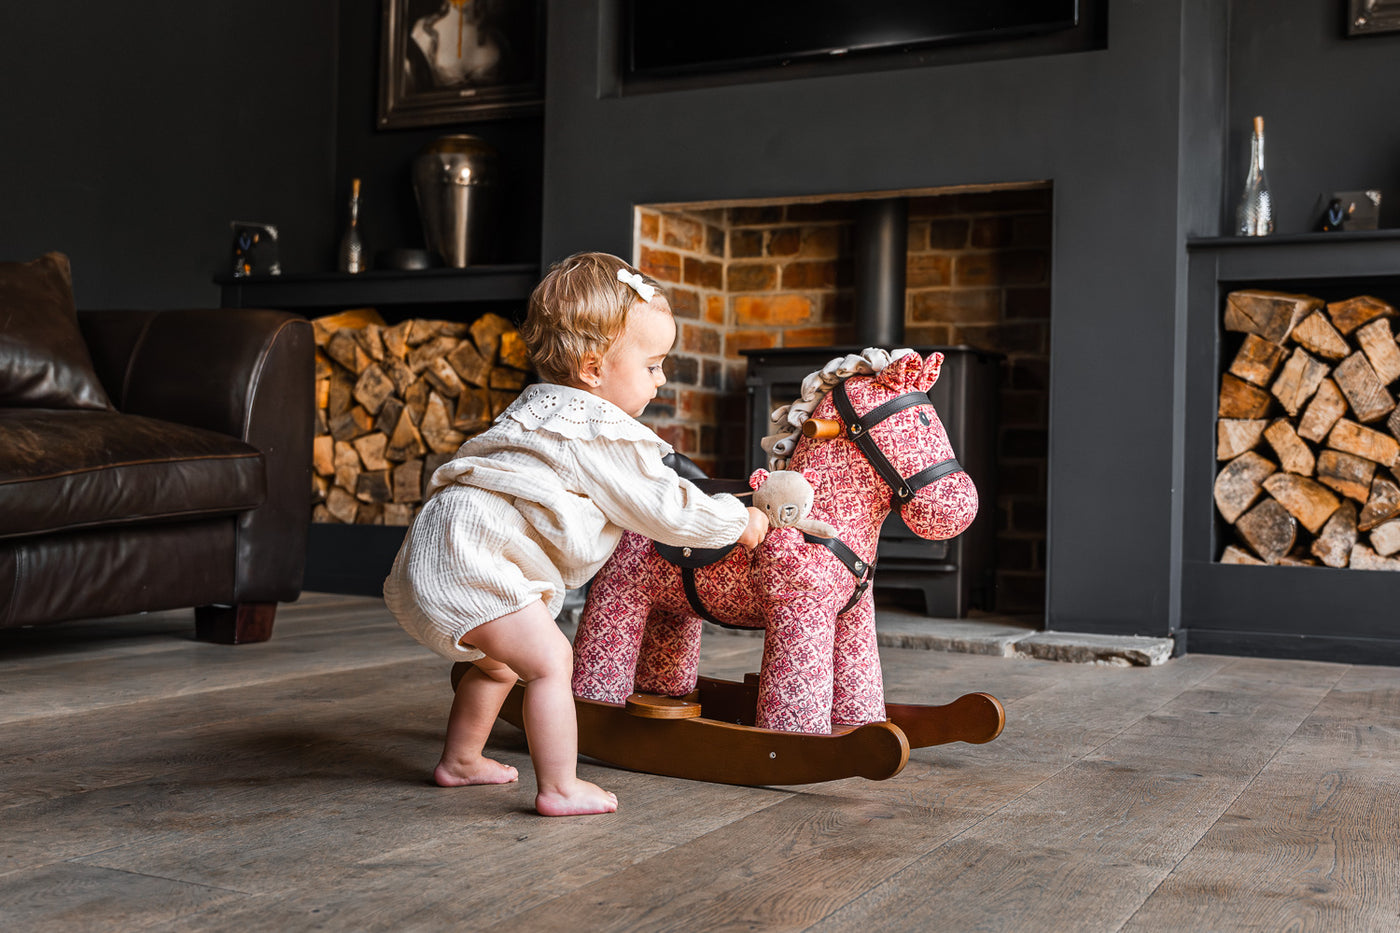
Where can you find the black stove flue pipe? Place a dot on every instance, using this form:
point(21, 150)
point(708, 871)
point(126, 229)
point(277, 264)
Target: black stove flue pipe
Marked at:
point(881, 244)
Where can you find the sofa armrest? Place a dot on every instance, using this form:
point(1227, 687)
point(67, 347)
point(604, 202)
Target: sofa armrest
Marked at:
point(246, 373)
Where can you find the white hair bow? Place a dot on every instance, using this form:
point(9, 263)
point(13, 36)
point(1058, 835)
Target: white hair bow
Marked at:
point(634, 279)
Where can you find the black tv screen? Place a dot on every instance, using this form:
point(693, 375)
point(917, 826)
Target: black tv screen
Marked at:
point(668, 37)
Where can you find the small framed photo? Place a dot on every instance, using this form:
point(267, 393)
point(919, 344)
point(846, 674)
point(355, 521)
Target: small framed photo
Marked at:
point(455, 61)
point(1370, 16)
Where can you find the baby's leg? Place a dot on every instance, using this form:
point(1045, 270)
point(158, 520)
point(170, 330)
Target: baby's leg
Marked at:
point(530, 643)
point(480, 693)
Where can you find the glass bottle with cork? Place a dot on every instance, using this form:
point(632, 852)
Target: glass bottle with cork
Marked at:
point(351, 257)
point(1255, 214)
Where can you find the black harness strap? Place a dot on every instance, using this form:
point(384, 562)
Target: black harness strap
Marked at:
point(690, 559)
point(864, 572)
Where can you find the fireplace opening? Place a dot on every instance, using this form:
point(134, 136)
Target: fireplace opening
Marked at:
point(963, 269)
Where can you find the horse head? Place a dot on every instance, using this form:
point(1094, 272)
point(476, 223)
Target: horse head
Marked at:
point(877, 437)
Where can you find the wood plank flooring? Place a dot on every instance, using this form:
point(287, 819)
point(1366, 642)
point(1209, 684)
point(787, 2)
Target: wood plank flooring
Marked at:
point(151, 782)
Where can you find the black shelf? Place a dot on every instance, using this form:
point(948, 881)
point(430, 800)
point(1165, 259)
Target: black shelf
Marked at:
point(1336, 238)
point(1299, 257)
point(512, 282)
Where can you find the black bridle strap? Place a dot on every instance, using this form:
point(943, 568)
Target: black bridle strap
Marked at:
point(858, 428)
point(933, 474)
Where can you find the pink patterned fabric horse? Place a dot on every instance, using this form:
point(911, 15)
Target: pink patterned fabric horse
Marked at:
point(821, 665)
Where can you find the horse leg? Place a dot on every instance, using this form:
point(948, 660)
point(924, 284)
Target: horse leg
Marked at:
point(858, 690)
point(794, 686)
point(670, 657)
point(609, 636)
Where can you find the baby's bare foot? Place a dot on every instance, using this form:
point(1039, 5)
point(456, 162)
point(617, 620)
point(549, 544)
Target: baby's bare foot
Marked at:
point(582, 799)
point(480, 771)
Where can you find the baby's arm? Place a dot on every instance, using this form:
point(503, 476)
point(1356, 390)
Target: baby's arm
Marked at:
point(633, 488)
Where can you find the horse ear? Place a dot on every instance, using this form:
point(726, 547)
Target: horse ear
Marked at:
point(932, 366)
point(758, 478)
point(901, 373)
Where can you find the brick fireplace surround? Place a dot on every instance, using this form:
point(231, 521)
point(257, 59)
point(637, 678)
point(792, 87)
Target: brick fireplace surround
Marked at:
point(779, 274)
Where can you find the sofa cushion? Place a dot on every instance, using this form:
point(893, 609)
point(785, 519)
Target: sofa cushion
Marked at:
point(68, 469)
point(44, 362)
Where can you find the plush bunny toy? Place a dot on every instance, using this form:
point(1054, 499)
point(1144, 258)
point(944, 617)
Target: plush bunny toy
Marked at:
point(786, 497)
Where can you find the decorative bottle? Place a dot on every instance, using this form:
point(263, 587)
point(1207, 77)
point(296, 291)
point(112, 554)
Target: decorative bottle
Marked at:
point(352, 248)
point(1255, 215)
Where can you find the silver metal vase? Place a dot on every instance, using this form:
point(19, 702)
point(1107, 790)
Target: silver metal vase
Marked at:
point(454, 181)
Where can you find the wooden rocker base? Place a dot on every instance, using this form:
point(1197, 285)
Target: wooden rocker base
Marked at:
point(710, 735)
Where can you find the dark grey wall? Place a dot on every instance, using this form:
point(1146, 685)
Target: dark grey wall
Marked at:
point(382, 158)
point(134, 134)
point(1109, 128)
point(1329, 105)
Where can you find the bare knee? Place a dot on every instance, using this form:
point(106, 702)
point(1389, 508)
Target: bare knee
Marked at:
point(552, 660)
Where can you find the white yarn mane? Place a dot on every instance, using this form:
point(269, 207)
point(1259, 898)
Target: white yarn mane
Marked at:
point(780, 444)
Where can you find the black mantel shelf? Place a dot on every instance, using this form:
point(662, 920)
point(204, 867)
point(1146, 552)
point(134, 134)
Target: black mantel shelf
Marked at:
point(1301, 257)
point(1338, 238)
point(512, 282)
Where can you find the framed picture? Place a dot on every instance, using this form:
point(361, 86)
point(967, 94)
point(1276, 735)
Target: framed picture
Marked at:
point(1369, 16)
point(453, 61)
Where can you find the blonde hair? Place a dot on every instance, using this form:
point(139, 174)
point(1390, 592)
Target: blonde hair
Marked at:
point(578, 310)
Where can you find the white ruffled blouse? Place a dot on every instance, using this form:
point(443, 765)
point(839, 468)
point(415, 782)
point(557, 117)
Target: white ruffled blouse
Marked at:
point(581, 471)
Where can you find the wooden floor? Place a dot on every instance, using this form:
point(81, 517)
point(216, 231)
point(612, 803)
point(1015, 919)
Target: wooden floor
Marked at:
point(150, 782)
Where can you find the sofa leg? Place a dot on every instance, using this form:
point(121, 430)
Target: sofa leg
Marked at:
point(234, 625)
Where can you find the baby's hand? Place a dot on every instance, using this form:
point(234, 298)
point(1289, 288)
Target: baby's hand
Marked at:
point(756, 531)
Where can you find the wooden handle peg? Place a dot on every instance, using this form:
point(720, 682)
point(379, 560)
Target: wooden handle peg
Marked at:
point(821, 428)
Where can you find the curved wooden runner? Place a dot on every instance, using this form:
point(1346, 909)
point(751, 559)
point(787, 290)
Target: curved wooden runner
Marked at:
point(672, 737)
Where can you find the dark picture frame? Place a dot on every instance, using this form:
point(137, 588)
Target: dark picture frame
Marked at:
point(456, 61)
point(1365, 17)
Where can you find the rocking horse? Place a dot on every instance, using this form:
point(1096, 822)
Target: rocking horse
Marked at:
point(869, 440)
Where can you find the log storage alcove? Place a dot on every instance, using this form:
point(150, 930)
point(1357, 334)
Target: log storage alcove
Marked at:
point(1308, 431)
point(395, 402)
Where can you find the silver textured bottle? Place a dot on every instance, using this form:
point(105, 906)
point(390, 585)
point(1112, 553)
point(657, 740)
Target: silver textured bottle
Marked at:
point(1255, 214)
point(352, 248)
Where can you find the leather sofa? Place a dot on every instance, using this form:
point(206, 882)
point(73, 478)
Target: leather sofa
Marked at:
point(150, 460)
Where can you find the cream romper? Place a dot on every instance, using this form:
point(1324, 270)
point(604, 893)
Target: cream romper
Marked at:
point(533, 507)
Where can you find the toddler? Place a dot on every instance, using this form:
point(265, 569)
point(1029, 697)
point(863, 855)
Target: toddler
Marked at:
point(535, 505)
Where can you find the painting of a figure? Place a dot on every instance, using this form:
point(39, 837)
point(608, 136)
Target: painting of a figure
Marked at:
point(447, 61)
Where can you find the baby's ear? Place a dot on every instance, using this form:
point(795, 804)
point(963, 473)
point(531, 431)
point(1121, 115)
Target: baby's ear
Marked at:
point(758, 478)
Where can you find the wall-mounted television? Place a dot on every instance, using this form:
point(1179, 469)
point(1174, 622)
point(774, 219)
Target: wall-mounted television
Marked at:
point(677, 37)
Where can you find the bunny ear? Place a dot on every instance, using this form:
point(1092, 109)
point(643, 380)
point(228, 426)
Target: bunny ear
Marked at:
point(758, 478)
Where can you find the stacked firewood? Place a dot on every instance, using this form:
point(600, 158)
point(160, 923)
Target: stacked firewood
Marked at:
point(395, 402)
point(1310, 432)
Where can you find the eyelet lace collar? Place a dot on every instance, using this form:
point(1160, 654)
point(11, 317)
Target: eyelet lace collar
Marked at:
point(577, 415)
